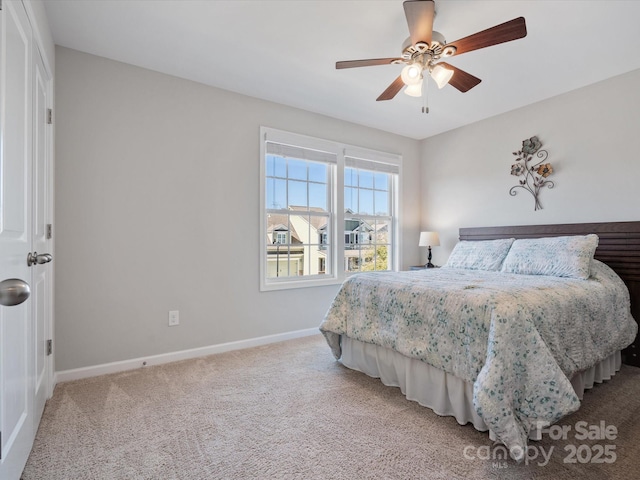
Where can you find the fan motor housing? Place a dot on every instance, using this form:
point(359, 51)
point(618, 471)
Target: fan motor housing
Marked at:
point(436, 49)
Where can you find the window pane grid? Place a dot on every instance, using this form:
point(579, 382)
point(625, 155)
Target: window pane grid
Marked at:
point(291, 182)
point(295, 243)
point(366, 192)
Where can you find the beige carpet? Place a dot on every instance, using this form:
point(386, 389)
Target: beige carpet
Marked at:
point(289, 410)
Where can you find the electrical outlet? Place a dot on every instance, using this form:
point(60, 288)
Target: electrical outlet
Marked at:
point(174, 318)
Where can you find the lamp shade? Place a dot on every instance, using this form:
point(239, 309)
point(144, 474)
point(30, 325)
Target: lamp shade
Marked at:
point(429, 239)
point(414, 90)
point(441, 75)
point(411, 74)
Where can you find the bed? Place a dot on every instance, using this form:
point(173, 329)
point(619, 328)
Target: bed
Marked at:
point(500, 339)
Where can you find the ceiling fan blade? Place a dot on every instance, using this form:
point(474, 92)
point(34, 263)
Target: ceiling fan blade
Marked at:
point(391, 90)
point(366, 63)
point(461, 80)
point(419, 15)
point(505, 32)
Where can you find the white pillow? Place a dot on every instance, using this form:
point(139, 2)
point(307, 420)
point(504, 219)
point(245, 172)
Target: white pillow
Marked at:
point(554, 256)
point(479, 255)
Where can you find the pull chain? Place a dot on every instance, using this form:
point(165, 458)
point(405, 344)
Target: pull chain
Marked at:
point(425, 96)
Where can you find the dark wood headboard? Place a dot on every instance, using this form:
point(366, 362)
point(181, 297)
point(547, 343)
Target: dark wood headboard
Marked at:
point(619, 247)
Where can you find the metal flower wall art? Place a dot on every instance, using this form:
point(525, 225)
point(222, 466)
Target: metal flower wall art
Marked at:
point(533, 175)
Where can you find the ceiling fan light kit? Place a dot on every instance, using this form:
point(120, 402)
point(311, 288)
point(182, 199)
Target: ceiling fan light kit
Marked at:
point(425, 48)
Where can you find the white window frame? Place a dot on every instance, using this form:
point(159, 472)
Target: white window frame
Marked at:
point(335, 259)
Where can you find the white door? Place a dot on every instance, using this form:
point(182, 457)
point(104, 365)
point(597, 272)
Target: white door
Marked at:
point(41, 273)
point(24, 370)
point(16, 427)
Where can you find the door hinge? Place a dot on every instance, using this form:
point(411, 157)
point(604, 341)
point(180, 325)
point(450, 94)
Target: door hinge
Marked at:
point(49, 231)
point(49, 116)
point(49, 347)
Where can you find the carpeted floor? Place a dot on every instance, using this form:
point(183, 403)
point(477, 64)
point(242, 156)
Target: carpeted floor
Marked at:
point(289, 410)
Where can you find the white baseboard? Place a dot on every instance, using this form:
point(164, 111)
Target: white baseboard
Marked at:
point(114, 367)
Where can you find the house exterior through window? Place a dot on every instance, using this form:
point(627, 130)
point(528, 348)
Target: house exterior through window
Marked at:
point(327, 210)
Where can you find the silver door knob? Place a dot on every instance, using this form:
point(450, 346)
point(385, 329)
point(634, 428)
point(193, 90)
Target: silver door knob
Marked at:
point(13, 291)
point(34, 258)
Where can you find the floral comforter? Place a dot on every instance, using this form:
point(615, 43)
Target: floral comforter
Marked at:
point(517, 338)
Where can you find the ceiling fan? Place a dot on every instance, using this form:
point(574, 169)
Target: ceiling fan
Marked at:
point(425, 48)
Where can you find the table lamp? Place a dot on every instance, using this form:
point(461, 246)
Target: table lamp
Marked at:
point(429, 239)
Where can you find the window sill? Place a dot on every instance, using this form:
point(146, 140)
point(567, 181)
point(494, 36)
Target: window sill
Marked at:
point(292, 284)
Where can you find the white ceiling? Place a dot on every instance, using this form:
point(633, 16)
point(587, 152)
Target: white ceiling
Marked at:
point(285, 51)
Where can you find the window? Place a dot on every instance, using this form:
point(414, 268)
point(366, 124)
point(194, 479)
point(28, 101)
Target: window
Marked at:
point(327, 210)
point(368, 188)
point(298, 207)
point(281, 238)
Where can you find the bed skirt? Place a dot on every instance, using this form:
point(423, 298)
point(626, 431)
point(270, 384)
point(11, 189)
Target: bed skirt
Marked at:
point(445, 394)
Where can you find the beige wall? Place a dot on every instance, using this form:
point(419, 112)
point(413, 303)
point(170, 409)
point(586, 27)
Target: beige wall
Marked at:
point(157, 209)
point(157, 202)
point(590, 135)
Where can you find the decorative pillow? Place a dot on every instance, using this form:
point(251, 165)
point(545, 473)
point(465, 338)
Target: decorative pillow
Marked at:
point(479, 255)
point(554, 256)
